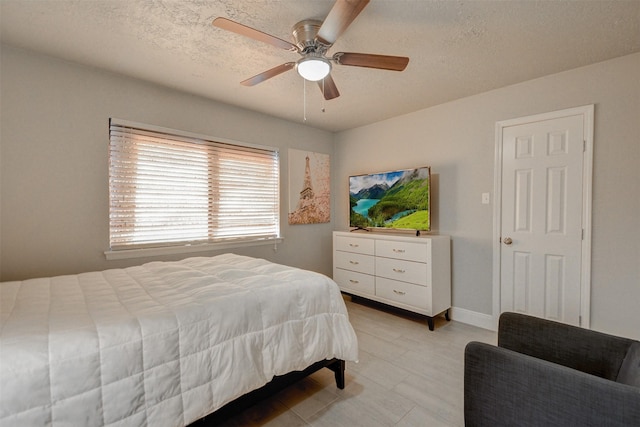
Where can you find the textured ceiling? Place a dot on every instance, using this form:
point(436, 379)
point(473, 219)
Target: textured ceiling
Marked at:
point(457, 48)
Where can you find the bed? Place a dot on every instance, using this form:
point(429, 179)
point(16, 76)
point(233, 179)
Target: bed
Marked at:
point(164, 343)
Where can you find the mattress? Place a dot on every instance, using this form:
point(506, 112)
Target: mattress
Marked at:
point(161, 344)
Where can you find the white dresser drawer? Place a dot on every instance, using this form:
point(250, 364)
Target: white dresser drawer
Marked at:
point(403, 250)
point(355, 244)
point(354, 262)
point(405, 293)
point(352, 281)
point(406, 271)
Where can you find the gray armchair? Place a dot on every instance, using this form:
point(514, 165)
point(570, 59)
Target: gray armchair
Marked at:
point(546, 373)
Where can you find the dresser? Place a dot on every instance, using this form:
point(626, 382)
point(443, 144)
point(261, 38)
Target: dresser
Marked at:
point(412, 273)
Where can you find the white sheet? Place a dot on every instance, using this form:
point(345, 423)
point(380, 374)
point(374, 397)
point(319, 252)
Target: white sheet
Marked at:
point(162, 344)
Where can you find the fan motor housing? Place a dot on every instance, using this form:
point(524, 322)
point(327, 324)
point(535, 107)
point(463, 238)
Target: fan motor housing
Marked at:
point(304, 34)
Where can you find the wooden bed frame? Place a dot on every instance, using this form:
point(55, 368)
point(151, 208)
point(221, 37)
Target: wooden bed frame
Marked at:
point(275, 385)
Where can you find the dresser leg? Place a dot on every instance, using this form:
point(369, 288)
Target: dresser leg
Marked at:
point(430, 323)
point(446, 315)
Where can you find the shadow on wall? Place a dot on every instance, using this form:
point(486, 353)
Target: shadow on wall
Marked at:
point(444, 215)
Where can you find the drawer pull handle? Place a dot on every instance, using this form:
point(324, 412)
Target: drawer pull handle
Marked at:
point(395, 291)
point(399, 251)
point(354, 245)
point(354, 281)
point(354, 262)
point(397, 270)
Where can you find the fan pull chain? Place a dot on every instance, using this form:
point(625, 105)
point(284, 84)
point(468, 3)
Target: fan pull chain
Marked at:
point(324, 98)
point(304, 99)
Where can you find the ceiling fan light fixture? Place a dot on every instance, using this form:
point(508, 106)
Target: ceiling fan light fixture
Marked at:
point(313, 68)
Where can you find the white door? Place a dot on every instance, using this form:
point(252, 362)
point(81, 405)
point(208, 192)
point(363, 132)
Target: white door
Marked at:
point(542, 217)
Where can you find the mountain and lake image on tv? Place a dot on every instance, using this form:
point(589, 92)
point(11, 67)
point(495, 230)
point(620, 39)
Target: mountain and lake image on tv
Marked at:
point(394, 200)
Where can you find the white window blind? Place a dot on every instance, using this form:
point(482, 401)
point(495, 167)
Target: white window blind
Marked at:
point(171, 189)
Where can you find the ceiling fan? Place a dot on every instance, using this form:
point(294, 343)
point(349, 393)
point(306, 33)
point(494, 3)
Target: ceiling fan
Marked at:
point(313, 39)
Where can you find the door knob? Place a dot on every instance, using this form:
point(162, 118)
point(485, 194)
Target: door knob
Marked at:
point(507, 241)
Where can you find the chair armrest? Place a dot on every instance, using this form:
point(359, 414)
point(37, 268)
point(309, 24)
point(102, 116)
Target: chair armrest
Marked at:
point(585, 350)
point(506, 388)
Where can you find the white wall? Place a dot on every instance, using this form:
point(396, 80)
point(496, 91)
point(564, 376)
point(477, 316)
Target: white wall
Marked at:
point(54, 173)
point(53, 170)
point(457, 140)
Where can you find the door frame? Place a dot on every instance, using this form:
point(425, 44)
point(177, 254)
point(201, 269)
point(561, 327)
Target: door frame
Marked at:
point(587, 112)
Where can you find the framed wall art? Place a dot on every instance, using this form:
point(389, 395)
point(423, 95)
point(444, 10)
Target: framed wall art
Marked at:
point(309, 187)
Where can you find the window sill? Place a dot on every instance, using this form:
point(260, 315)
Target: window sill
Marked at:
point(186, 249)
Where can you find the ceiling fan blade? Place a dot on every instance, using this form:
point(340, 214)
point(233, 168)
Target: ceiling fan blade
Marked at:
point(252, 33)
point(259, 78)
point(384, 62)
point(330, 90)
point(340, 17)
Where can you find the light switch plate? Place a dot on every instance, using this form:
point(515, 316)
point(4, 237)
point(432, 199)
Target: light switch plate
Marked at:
point(486, 198)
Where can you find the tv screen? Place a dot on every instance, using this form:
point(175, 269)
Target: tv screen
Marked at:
point(396, 200)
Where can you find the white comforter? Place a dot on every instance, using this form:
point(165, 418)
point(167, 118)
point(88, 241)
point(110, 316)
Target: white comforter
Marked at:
point(162, 344)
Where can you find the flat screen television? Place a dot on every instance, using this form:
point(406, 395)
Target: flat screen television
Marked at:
point(394, 200)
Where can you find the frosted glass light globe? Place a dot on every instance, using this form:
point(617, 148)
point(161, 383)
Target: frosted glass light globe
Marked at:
point(313, 68)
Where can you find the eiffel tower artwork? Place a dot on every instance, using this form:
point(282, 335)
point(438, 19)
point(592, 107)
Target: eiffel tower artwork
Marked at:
point(309, 187)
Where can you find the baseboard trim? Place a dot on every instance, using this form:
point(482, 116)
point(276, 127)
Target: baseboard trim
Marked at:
point(474, 318)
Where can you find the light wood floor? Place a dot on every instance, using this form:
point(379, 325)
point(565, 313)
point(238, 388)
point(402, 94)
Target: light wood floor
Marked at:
point(406, 376)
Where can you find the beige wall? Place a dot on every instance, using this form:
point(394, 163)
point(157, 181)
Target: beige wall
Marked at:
point(457, 140)
point(54, 173)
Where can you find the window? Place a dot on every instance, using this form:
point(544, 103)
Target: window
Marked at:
point(168, 188)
